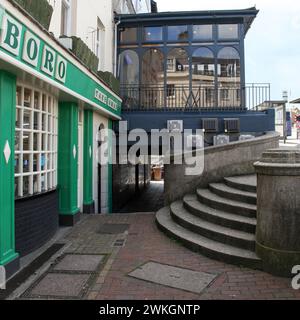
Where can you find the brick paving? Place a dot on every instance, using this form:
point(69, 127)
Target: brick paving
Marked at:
point(144, 243)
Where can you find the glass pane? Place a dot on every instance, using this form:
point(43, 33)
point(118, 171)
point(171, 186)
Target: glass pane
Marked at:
point(45, 142)
point(26, 141)
point(16, 187)
point(36, 158)
point(17, 140)
point(44, 121)
point(36, 100)
point(35, 183)
point(43, 162)
point(25, 186)
point(129, 35)
point(18, 117)
point(44, 102)
point(129, 68)
point(27, 98)
point(26, 119)
point(228, 31)
point(229, 77)
point(36, 119)
point(43, 182)
point(17, 163)
point(19, 96)
point(36, 142)
point(153, 33)
point(203, 32)
point(178, 33)
point(26, 158)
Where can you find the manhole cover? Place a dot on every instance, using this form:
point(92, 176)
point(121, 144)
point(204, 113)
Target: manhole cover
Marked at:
point(174, 277)
point(79, 262)
point(110, 228)
point(61, 285)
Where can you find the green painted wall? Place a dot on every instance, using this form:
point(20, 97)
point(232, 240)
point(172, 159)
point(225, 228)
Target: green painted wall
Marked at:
point(67, 163)
point(7, 198)
point(88, 158)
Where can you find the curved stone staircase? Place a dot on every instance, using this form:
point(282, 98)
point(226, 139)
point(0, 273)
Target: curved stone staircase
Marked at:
point(219, 222)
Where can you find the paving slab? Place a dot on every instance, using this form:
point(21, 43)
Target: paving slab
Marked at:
point(178, 278)
point(61, 285)
point(79, 262)
point(113, 228)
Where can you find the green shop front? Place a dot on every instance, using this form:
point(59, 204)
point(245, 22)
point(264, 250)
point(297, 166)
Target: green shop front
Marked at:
point(52, 110)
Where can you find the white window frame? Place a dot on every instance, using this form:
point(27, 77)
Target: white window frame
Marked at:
point(43, 112)
point(67, 24)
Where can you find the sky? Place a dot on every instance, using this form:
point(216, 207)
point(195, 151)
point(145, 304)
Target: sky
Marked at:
point(272, 45)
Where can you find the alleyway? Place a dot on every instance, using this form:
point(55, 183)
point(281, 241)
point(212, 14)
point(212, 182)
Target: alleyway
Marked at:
point(150, 200)
point(101, 253)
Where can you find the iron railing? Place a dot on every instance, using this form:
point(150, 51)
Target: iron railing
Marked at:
point(186, 98)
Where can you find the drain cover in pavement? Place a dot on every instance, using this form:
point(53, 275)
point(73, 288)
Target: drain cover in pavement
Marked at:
point(174, 277)
point(61, 285)
point(79, 262)
point(110, 228)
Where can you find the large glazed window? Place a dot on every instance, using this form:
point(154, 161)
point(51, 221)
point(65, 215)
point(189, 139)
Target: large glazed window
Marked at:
point(153, 34)
point(178, 33)
point(228, 31)
point(35, 142)
point(128, 35)
point(152, 89)
point(229, 77)
point(129, 68)
point(203, 32)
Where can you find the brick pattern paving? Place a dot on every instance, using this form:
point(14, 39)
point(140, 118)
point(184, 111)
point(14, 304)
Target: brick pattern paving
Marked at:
point(144, 242)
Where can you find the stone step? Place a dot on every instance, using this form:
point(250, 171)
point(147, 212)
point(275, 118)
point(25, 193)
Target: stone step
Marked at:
point(208, 247)
point(219, 217)
point(205, 196)
point(244, 183)
point(210, 230)
point(225, 191)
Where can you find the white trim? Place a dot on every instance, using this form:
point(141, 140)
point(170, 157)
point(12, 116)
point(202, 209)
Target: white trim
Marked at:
point(60, 49)
point(37, 74)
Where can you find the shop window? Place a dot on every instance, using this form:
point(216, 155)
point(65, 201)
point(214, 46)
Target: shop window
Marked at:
point(203, 32)
point(35, 142)
point(128, 35)
point(153, 34)
point(228, 31)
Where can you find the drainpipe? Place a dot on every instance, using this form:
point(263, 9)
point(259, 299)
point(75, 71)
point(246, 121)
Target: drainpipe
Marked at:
point(116, 47)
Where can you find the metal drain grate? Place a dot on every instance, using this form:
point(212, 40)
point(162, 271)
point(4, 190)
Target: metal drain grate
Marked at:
point(110, 228)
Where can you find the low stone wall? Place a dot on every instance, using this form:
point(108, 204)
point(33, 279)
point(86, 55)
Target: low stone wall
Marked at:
point(235, 158)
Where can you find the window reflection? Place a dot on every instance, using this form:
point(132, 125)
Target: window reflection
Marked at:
point(153, 34)
point(128, 35)
point(178, 76)
point(152, 79)
point(129, 68)
point(228, 31)
point(178, 33)
point(203, 32)
point(229, 77)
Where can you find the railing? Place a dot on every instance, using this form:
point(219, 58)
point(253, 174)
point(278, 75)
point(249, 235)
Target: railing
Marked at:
point(185, 98)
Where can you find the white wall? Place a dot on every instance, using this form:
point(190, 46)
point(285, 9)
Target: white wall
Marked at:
point(84, 22)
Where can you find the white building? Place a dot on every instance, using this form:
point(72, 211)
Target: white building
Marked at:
point(93, 22)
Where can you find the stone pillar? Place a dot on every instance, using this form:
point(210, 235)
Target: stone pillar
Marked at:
point(69, 212)
point(8, 257)
point(278, 210)
point(88, 202)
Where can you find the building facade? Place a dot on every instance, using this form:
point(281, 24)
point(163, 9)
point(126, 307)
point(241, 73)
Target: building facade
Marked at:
point(52, 110)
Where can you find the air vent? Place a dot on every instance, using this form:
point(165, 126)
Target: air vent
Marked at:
point(232, 125)
point(175, 125)
point(221, 140)
point(210, 125)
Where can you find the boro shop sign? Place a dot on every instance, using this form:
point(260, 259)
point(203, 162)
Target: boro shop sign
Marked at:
point(44, 58)
point(27, 46)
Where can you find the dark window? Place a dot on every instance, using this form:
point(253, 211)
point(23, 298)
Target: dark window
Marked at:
point(178, 33)
point(203, 32)
point(228, 31)
point(170, 90)
point(129, 68)
point(153, 34)
point(128, 35)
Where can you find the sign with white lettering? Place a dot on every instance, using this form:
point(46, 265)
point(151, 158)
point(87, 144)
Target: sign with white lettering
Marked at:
point(18, 42)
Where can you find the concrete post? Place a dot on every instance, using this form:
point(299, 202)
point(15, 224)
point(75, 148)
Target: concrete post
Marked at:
point(278, 210)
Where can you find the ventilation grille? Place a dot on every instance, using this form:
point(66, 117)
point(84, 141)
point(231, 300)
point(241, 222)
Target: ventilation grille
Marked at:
point(210, 125)
point(232, 125)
